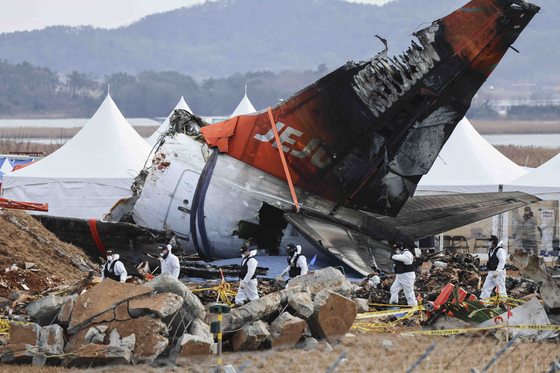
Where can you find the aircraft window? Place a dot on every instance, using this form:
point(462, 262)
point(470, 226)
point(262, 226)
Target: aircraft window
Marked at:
point(185, 202)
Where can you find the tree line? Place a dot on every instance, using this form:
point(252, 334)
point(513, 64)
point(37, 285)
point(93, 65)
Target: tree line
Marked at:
point(28, 91)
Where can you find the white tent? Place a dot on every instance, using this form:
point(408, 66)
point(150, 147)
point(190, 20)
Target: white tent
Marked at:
point(244, 107)
point(543, 182)
point(165, 125)
point(468, 164)
point(6, 165)
point(89, 174)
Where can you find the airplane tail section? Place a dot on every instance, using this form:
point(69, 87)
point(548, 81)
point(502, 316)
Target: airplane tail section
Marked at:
point(364, 135)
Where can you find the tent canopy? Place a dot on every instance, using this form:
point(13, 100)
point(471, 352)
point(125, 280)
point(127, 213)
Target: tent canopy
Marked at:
point(244, 107)
point(165, 125)
point(6, 165)
point(91, 172)
point(543, 182)
point(468, 164)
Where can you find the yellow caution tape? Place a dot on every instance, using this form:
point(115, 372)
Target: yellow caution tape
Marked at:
point(224, 292)
point(462, 331)
point(373, 325)
point(389, 305)
point(368, 315)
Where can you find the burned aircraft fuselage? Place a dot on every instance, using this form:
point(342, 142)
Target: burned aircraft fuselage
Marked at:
point(358, 139)
point(364, 135)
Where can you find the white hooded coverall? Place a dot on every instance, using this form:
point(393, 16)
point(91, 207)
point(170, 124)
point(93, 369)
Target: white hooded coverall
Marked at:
point(404, 281)
point(301, 263)
point(491, 282)
point(118, 268)
point(250, 290)
point(170, 264)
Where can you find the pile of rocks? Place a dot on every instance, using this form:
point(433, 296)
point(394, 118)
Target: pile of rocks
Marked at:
point(127, 323)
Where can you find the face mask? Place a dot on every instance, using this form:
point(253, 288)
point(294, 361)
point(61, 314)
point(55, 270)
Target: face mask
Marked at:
point(490, 244)
point(398, 251)
point(161, 253)
point(110, 258)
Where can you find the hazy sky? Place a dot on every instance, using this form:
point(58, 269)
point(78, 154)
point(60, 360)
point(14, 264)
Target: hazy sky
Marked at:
point(20, 15)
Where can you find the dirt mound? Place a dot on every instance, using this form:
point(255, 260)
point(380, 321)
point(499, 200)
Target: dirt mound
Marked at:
point(25, 240)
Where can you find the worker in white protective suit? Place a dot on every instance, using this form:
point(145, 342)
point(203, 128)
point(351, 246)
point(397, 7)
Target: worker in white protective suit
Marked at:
point(496, 269)
point(297, 263)
point(547, 230)
point(168, 262)
point(247, 277)
point(405, 276)
point(113, 268)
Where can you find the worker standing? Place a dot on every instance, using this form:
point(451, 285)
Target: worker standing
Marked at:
point(113, 268)
point(297, 263)
point(247, 277)
point(496, 269)
point(405, 276)
point(168, 262)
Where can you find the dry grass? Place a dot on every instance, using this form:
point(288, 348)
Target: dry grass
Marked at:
point(365, 354)
point(537, 155)
point(498, 127)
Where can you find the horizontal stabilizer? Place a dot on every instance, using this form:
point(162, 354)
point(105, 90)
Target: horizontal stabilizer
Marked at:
point(356, 250)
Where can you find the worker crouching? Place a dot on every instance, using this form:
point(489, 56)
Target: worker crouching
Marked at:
point(247, 277)
point(404, 276)
point(113, 268)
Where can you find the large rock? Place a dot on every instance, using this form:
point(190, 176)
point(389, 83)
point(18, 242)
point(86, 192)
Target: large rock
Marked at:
point(5, 303)
point(104, 297)
point(250, 336)
point(285, 331)
point(363, 305)
point(162, 305)
point(258, 309)
point(166, 283)
point(326, 278)
point(302, 304)
point(149, 333)
point(20, 353)
point(45, 309)
point(51, 340)
point(333, 315)
point(191, 348)
point(289, 293)
point(199, 329)
point(91, 355)
point(66, 310)
point(24, 333)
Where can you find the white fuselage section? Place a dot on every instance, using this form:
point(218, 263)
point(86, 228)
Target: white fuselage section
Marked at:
point(236, 192)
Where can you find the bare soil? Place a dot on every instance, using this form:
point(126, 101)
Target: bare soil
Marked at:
point(38, 246)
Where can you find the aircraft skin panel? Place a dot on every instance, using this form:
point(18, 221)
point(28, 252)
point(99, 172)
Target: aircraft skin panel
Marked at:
point(363, 135)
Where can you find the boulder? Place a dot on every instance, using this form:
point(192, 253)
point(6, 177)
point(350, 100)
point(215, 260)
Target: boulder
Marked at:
point(51, 340)
point(258, 309)
point(250, 336)
point(45, 310)
point(362, 304)
point(200, 329)
point(95, 336)
point(162, 305)
point(24, 333)
point(106, 296)
point(149, 334)
point(20, 353)
point(285, 331)
point(121, 312)
point(165, 283)
point(307, 344)
point(14, 295)
point(99, 355)
point(66, 310)
point(292, 291)
point(302, 304)
point(333, 315)
point(39, 359)
point(326, 278)
point(191, 348)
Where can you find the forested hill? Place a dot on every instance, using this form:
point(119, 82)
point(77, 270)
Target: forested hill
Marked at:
point(228, 36)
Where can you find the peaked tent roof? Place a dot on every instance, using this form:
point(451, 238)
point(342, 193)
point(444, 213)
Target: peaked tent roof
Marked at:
point(244, 107)
point(468, 164)
point(543, 182)
point(106, 147)
point(6, 165)
point(165, 125)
